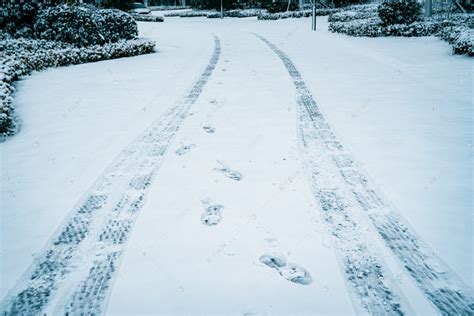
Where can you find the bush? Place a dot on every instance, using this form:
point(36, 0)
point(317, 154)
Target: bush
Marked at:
point(189, 14)
point(147, 18)
point(373, 28)
point(84, 25)
point(295, 14)
point(18, 19)
point(18, 57)
point(399, 12)
point(460, 37)
point(75, 25)
point(457, 30)
point(246, 13)
point(213, 15)
point(118, 25)
point(346, 16)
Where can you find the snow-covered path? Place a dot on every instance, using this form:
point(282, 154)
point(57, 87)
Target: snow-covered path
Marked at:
point(236, 162)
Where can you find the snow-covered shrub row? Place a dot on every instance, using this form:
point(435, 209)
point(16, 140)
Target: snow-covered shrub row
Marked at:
point(372, 7)
point(147, 18)
point(18, 57)
point(373, 28)
point(189, 14)
point(245, 13)
point(238, 13)
point(84, 25)
point(213, 15)
point(167, 8)
point(457, 30)
point(460, 37)
point(296, 14)
point(346, 16)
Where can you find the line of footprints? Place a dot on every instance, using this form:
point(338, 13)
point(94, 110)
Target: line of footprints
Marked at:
point(213, 215)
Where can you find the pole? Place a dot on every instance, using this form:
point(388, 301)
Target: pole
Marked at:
point(313, 24)
point(222, 10)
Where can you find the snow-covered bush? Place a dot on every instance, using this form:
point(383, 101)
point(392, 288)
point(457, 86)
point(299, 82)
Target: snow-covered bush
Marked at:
point(118, 25)
point(373, 28)
point(84, 25)
point(362, 7)
point(147, 18)
point(460, 37)
point(399, 12)
point(245, 13)
point(363, 27)
point(18, 18)
point(213, 15)
point(346, 16)
point(189, 14)
point(295, 14)
point(457, 30)
point(18, 57)
point(75, 25)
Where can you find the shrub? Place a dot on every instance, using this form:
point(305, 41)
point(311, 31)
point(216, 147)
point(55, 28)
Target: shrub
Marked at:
point(213, 15)
point(147, 18)
point(75, 25)
point(84, 25)
point(243, 13)
point(373, 28)
point(399, 12)
point(346, 16)
point(118, 25)
point(18, 19)
point(460, 37)
point(295, 14)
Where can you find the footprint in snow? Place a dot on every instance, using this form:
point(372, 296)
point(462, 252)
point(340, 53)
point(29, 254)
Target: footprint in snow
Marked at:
point(209, 129)
point(229, 173)
point(212, 215)
point(290, 271)
point(184, 149)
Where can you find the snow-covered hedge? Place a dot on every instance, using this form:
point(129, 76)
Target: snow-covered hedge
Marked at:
point(295, 14)
point(245, 13)
point(346, 16)
point(84, 25)
point(147, 18)
point(237, 13)
point(373, 28)
point(18, 57)
point(213, 15)
point(457, 29)
point(189, 14)
point(460, 37)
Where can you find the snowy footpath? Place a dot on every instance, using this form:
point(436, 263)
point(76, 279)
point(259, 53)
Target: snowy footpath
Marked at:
point(248, 167)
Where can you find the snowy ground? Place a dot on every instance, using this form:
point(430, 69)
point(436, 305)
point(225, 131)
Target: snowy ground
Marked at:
point(403, 108)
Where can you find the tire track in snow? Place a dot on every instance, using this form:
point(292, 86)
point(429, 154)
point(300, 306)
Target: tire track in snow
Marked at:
point(73, 273)
point(439, 284)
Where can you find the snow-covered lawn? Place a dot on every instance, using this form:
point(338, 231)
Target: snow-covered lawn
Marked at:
point(403, 107)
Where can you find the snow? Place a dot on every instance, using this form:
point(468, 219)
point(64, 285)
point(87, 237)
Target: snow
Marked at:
point(402, 105)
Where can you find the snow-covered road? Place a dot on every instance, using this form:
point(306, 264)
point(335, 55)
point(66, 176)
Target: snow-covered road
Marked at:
point(236, 186)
